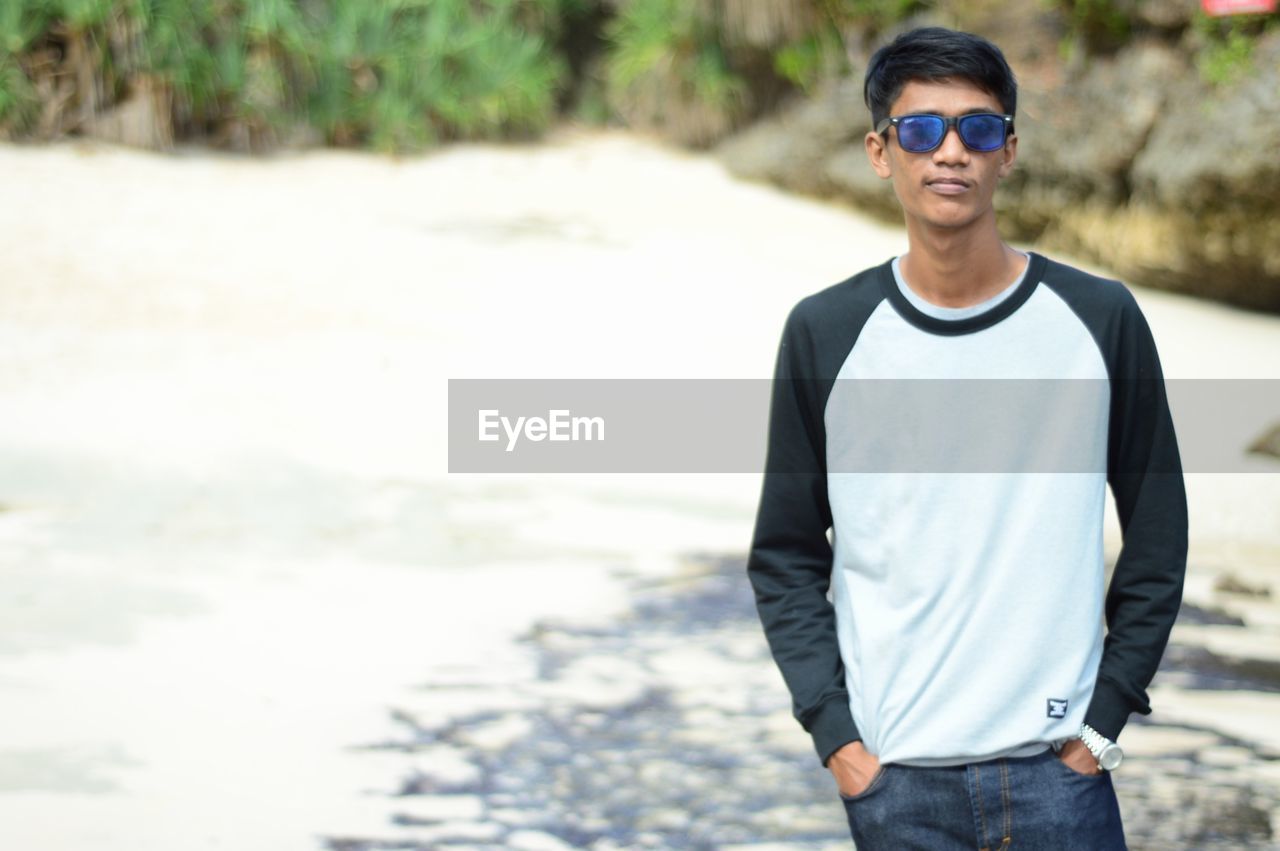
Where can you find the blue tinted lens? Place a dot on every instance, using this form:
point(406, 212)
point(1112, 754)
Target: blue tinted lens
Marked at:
point(982, 132)
point(918, 133)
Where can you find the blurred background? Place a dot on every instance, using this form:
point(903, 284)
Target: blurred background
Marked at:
point(247, 242)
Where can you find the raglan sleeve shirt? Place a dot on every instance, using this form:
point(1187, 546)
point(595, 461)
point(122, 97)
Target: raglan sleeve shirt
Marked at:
point(790, 561)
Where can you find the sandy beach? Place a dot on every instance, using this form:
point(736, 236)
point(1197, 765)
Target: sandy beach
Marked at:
point(248, 608)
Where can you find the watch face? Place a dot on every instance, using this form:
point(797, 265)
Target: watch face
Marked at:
point(1111, 757)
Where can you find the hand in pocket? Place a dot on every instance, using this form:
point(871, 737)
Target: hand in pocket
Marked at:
point(1076, 756)
point(854, 769)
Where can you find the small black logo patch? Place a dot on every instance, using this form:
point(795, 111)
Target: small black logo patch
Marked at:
point(1057, 708)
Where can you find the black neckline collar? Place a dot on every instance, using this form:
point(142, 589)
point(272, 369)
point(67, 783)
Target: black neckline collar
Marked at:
point(969, 324)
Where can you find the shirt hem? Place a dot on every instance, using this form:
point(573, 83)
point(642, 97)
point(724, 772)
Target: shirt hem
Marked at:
point(1031, 749)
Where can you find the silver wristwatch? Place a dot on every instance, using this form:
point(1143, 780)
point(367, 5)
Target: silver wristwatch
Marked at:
point(1105, 751)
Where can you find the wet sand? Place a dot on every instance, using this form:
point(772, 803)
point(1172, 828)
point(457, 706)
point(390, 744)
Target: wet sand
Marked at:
point(245, 598)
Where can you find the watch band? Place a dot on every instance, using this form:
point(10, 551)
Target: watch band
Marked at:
point(1105, 751)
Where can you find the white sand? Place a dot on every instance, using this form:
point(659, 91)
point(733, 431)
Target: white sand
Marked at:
point(229, 543)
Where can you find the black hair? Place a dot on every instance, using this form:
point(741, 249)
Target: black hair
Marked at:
point(931, 54)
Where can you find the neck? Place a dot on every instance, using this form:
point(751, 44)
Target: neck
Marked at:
point(958, 267)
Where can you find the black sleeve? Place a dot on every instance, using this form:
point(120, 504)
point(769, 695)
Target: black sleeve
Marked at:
point(789, 565)
point(1145, 474)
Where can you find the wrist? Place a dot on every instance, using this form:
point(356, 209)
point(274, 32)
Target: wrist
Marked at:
point(854, 749)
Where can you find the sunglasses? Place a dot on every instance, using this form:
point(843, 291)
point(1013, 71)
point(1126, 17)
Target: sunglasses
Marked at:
point(923, 132)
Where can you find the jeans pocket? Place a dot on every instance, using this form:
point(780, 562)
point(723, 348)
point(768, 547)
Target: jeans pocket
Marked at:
point(1071, 772)
point(876, 782)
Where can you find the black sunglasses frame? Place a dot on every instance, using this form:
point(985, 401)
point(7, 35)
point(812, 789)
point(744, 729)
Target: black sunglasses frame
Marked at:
point(947, 121)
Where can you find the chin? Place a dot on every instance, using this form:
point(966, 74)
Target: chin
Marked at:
point(948, 222)
point(948, 214)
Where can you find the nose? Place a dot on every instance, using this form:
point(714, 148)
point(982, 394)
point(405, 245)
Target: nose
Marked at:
point(952, 150)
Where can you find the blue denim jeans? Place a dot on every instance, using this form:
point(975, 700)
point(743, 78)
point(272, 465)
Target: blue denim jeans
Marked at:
point(1035, 803)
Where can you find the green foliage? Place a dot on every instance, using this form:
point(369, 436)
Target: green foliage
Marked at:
point(19, 103)
point(1227, 60)
point(406, 74)
point(394, 74)
point(79, 14)
point(692, 68)
point(1225, 45)
point(871, 15)
point(820, 53)
point(20, 25)
point(1098, 25)
point(815, 57)
point(648, 34)
point(195, 49)
point(668, 70)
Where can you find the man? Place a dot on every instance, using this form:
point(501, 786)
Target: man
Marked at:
point(945, 649)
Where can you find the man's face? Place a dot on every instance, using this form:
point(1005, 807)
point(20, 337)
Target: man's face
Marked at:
point(950, 186)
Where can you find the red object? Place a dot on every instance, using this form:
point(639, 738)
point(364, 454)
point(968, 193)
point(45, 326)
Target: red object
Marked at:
point(1219, 8)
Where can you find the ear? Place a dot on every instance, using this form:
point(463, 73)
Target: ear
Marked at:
point(1009, 155)
point(878, 154)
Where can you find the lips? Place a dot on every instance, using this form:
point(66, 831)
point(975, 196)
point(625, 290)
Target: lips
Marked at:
point(948, 185)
